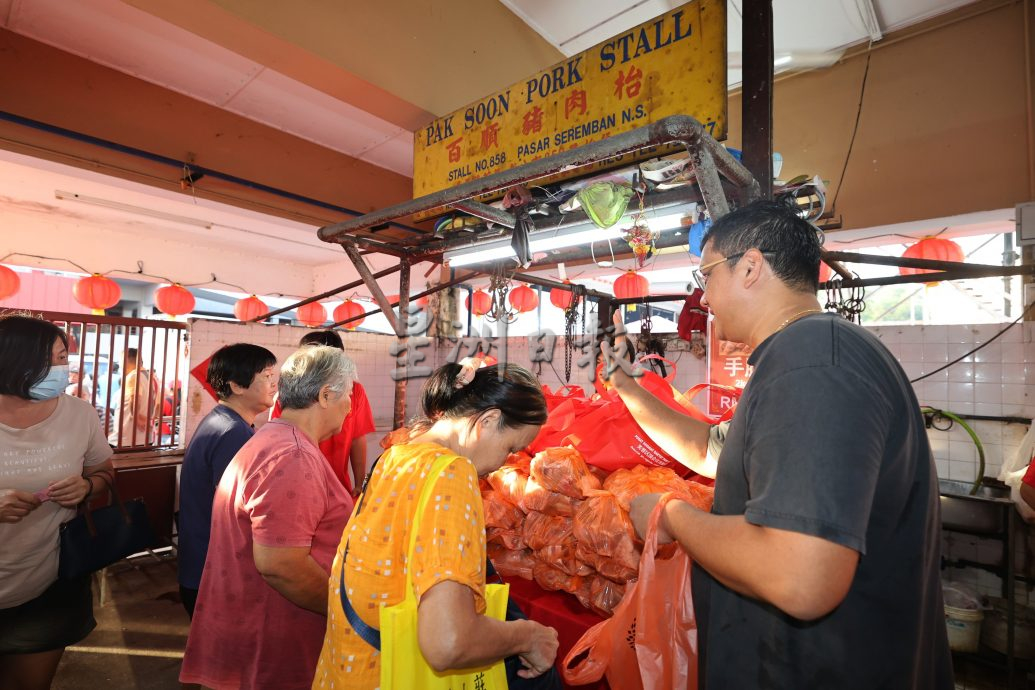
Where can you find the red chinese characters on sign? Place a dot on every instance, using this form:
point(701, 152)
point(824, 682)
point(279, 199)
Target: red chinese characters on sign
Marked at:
point(727, 366)
point(490, 136)
point(453, 148)
point(627, 84)
point(533, 121)
point(575, 102)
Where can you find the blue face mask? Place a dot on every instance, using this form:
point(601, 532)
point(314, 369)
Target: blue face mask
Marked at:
point(52, 385)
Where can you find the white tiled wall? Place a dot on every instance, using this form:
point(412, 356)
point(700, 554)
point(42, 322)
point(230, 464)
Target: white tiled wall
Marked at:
point(997, 380)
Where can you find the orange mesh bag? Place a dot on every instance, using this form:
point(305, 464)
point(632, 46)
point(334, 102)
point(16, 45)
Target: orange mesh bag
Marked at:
point(604, 527)
point(627, 484)
point(500, 512)
point(562, 556)
point(564, 471)
point(541, 530)
point(511, 563)
point(540, 499)
point(508, 538)
point(551, 579)
point(509, 482)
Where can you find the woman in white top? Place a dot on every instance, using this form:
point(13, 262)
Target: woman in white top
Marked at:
point(53, 456)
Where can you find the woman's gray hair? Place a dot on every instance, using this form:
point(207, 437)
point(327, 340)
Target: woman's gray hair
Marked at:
point(310, 369)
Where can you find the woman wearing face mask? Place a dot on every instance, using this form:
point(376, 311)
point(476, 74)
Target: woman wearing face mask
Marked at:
point(53, 456)
point(477, 417)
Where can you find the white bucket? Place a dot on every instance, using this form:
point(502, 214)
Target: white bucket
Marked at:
point(964, 626)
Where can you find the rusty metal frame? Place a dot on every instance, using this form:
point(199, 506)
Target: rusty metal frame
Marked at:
point(942, 270)
point(708, 158)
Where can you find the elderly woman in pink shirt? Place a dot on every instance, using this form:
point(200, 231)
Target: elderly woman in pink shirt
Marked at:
point(277, 518)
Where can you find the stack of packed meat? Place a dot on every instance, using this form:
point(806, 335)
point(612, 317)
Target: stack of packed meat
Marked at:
point(565, 524)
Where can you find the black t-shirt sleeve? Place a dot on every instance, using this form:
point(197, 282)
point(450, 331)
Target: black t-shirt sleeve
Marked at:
point(814, 448)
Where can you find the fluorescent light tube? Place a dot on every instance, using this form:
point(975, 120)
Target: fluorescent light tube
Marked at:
point(130, 208)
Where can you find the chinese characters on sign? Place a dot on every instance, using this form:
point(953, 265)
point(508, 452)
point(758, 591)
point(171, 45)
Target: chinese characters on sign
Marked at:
point(727, 366)
point(674, 64)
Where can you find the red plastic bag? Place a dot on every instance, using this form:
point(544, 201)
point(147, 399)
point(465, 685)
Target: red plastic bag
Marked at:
point(629, 483)
point(542, 530)
point(539, 499)
point(603, 527)
point(660, 651)
point(563, 393)
point(511, 563)
point(500, 512)
point(564, 471)
point(509, 483)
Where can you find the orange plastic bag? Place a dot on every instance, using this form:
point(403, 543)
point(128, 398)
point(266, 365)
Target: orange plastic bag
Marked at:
point(659, 652)
point(605, 565)
point(603, 527)
point(508, 538)
point(627, 484)
point(605, 595)
point(511, 563)
point(500, 512)
point(551, 579)
point(509, 482)
point(563, 557)
point(519, 461)
point(540, 499)
point(564, 471)
point(542, 530)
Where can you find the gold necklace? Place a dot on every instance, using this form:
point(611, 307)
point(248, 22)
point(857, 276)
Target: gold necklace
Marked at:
point(795, 317)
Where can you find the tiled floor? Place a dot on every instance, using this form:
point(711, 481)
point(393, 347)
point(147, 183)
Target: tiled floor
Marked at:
point(142, 629)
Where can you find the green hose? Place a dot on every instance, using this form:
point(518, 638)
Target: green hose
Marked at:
point(973, 437)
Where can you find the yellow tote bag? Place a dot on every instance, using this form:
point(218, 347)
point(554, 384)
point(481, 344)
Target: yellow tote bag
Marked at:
point(402, 664)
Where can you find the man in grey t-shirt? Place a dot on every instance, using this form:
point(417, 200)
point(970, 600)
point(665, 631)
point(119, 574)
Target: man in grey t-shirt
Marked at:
point(818, 566)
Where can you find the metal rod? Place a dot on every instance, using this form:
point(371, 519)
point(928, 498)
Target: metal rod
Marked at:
point(708, 180)
point(852, 257)
point(938, 276)
point(676, 128)
point(399, 412)
point(486, 212)
point(430, 291)
point(370, 280)
point(757, 95)
point(322, 295)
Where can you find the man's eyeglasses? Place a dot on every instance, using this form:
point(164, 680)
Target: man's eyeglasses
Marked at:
point(701, 278)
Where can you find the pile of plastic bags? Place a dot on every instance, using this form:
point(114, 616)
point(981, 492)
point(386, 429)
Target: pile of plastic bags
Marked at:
point(555, 519)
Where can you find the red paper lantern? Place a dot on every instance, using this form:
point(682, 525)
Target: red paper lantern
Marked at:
point(348, 309)
point(9, 282)
point(561, 298)
point(824, 272)
point(97, 292)
point(250, 308)
point(524, 299)
point(312, 314)
point(174, 300)
point(478, 303)
point(934, 248)
point(631, 285)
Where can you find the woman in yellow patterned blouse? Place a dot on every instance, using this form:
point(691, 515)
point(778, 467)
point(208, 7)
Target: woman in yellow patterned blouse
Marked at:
point(478, 416)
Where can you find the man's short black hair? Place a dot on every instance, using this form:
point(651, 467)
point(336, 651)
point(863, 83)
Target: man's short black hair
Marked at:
point(328, 338)
point(26, 348)
point(237, 363)
point(789, 243)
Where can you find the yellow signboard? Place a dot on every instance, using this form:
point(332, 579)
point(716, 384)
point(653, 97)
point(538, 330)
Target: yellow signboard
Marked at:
point(672, 65)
